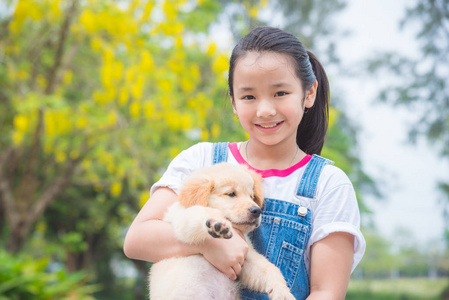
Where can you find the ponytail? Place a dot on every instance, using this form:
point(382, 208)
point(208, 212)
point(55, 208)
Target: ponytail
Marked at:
point(313, 127)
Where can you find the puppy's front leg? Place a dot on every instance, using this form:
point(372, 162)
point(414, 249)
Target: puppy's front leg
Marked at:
point(260, 275)
point(194, 224)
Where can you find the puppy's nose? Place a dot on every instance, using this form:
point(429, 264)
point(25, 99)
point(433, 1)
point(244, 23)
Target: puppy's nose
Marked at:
point(254, 211)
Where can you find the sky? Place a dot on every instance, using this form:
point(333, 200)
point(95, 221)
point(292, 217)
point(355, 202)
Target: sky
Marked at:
point(408, 174)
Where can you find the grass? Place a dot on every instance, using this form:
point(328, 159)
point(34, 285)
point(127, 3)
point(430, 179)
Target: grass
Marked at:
point(400, 289)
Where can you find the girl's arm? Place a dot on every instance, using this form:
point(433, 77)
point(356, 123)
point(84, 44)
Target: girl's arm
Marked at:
point(151, 239)
point(330, 266)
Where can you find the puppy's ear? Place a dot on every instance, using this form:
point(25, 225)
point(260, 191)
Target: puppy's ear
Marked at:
point(195, 191)
point(258, 188)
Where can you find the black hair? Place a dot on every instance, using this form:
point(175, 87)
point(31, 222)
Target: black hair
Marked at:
point(313, 127)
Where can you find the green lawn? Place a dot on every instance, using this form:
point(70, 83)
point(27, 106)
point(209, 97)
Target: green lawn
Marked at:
point(400, 289)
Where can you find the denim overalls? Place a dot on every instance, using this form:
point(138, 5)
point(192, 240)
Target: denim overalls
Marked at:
point(285, 229)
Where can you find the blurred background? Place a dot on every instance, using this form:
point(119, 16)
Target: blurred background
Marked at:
point(96, 98)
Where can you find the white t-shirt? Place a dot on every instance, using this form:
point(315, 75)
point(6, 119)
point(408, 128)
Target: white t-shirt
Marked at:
point(334, 209)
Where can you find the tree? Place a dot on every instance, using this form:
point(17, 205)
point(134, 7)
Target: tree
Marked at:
point(88, 91)
point(97, 97)
point(378, 261)
point(420, 83)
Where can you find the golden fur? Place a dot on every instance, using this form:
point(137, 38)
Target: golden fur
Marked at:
point(211, 201)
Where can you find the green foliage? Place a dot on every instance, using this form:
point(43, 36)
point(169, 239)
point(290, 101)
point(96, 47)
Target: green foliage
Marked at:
point(400, 289)
point(23, 277)
point(378, 260)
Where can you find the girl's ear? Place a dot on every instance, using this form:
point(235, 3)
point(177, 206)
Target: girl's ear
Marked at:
point(195, 191)
point(233, 104)
point(258, 188)
point(311, 95)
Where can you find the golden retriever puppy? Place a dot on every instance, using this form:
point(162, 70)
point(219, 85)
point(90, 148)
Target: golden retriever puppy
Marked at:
point(211, 201)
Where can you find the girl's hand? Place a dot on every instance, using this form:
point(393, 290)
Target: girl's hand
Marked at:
point(227, 255)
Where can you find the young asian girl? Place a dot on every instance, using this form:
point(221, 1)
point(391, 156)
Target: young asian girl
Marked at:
point(310, 221)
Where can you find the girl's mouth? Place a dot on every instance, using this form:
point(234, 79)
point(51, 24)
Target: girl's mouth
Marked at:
point(269, 125)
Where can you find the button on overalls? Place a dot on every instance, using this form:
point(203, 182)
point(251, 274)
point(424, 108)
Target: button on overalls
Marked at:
point(285, 229)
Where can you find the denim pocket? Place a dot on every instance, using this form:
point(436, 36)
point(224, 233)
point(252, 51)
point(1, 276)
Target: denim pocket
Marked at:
point(289, 261)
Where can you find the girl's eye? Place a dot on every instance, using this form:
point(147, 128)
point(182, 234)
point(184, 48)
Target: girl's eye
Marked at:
point(248, 97)
point(232, 194)
point(280, 94)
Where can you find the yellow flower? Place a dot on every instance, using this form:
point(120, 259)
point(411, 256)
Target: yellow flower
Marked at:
point(96, 44)
point(215, 131)
point(211, 49)
point(67, 77)
point(147, 10)
point(120, 172)
point(195, 72)
point(50, 124)
point(149, 109)
point(88, 20)
point(146, 62)
point(186, 84)
point(17, 137)
point(253, 11)
point(21, 123)
point(123, 97)
point(55, 11)
point(186, 121)
point(204, 135)
point(137, 87)
point(116, 189)
point(60, 156)
point(144, 196)
point(28, 8)
point(165, 85)
point(173, 119)
point(220, 64)
point(22, 75)
point(169, 10)
point(86, 164)
point(110, 167)
point(112, 118)
point(166, 101)
point(117, 70)
point(41, 81)
point(178, 41)
point(81, 122)
point(333, 116)
point(134, 109)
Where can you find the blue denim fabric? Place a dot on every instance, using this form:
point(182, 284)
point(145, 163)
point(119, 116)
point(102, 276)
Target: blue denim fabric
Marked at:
point(307, 185)
point(220, 153)
point(283, 235)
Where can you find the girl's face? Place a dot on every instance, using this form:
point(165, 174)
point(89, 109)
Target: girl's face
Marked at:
point(268, 97)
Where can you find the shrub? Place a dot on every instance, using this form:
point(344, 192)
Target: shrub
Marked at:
point(23, 277)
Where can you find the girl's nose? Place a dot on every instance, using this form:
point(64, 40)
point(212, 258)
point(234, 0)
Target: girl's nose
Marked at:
point(266, 108)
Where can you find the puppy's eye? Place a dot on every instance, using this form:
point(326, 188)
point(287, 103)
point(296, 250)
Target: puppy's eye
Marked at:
point(232, 194)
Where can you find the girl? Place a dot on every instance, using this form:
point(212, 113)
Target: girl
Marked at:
point(310, 226)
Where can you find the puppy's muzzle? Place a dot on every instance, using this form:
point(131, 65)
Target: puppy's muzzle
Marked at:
point(254, 212)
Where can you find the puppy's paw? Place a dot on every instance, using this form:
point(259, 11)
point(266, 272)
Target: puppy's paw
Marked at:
point(219, 229)
point(281, 293)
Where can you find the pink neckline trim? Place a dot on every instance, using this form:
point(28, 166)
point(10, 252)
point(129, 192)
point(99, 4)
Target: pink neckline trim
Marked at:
point(271, 172)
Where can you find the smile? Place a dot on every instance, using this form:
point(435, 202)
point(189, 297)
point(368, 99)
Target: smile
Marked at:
point(268, 126)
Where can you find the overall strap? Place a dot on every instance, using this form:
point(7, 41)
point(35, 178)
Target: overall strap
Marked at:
point(220, 153)
point(309, 180)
